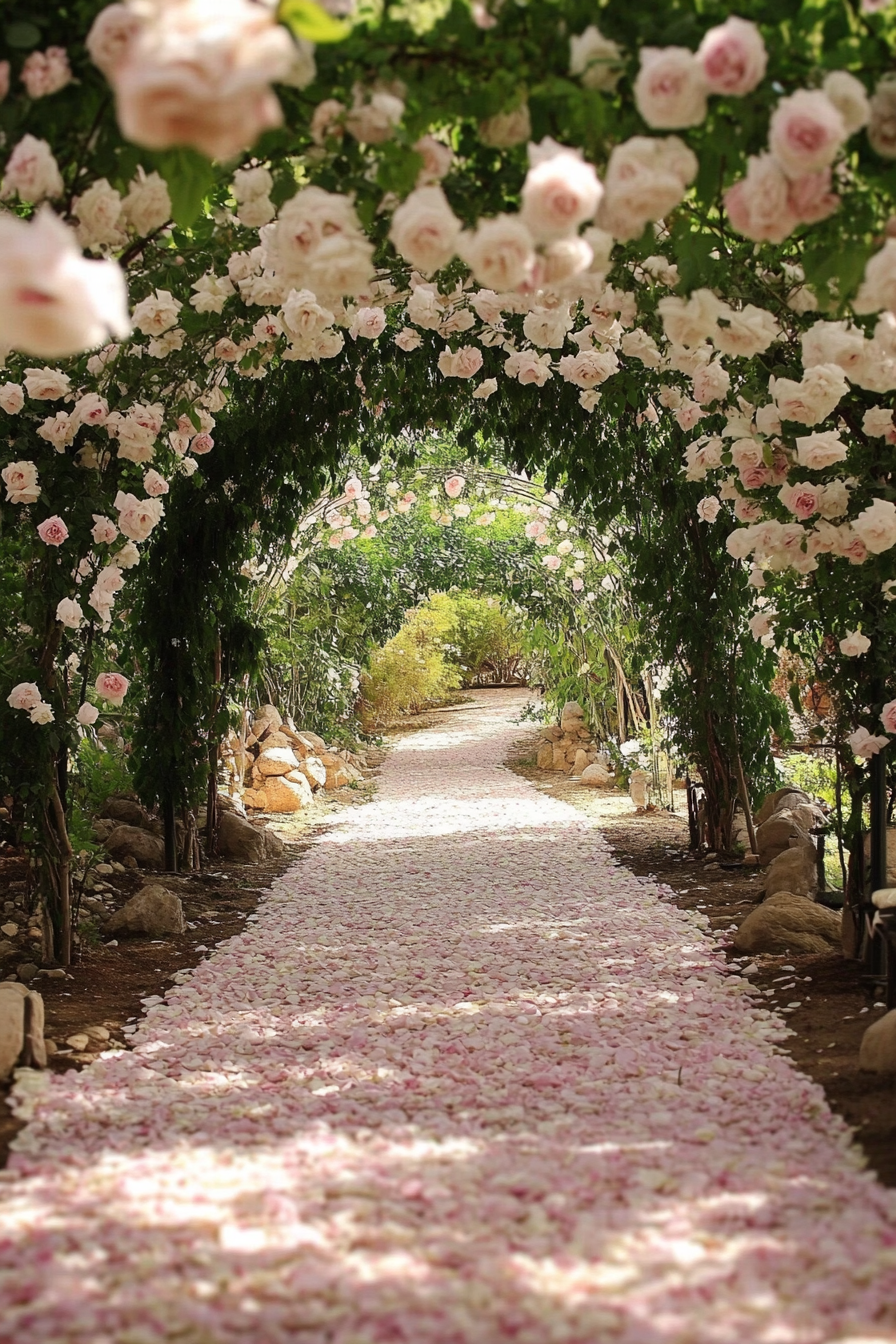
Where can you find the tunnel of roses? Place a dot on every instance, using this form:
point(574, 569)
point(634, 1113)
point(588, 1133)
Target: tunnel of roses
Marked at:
point(310, 312)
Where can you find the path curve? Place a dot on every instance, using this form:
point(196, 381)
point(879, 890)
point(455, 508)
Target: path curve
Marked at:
point(465, 1080)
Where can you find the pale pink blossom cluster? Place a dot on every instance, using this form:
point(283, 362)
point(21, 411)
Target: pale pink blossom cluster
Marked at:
point(673, 83)
point(27, 697)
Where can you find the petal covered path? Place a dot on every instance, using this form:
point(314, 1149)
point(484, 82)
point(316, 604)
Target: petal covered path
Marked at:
point(464, 1080)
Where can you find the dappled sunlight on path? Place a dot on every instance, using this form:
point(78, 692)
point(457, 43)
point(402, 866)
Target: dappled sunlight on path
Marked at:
point(464, 1080)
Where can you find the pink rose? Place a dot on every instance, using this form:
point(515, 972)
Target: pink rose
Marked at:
point(154, 484)
point(551, 562)
point(454, 486)
point(561, 191)
point(753, 478)
point(811, 199)
point(855, 644)
point(24, 696)
point(578, 584)
point(536, 528)
point(12, 398)
point(202, 443)
point(21, 481)
point(112, 686)
point(708, 509)
point(802, 499)
point(747, 510)
point(864, 744)
point(888, 716)
point(670, 90)
point(759, 205)
point(46, 72)
point(805, 132)
point(104, 530)
point(53, 531)
point(733, 57)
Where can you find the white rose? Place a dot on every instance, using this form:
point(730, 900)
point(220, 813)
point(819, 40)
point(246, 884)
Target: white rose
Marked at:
point(876, 526)
point(156, 313)
point(855, 644)
point(69, 613)
point(833, 343)
point(375, 121)
point(487, 388)
point(711, 383)
point(369, 323)
point(639, 345)
point(423, 308)
point(528, 368)
point(256, 213)
point(689, 322)
point(850, 99)
point(708, 509)
point(561, 191)
point(437, 160)
point(135, 442)
point(501, 253)
point(147, 205)
point(303, 317)
point(563, 259)
point(198, 73)
point(814, 398)
point(817, 451)
point(547, 327)
point(21, 481)
point(487, 306)
point(588, 368)
point(834, 500)
point(46, 384)
point(98, 212)
point(876, 422)
point(425, 230)
point(31, 172)
point(113, 29)
point(91, 409)
point(878, 287)
point(250, 183)
point(507, 129)
point(137, 517)
point(646, 177)
point(87, 715)
point(747, 333)
point(596, 58)
point(768, 421)
point(462, 363)
point(12, 398)
point(670, 90)
point(408, 339)
point(212, 292)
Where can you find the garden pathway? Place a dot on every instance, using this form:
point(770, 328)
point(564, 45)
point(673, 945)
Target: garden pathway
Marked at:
point(464, 1081)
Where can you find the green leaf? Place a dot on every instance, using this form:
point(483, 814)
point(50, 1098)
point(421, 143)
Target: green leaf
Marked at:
point(22, 34)
point(189, 176)
point(399, 167)
point(309, 20)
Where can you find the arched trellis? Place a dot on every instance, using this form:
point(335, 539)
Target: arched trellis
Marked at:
point(495, 488)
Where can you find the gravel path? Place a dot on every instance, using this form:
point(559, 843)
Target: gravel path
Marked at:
point(464, 1080)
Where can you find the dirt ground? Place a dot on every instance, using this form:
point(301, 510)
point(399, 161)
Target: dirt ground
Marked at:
point(109, 980)
point(823, 999)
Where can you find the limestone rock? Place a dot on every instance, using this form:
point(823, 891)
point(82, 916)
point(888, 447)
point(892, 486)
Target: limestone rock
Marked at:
point(580, 764)
point(12, 1025)
point(276, 761)
point(789, 923)
point(793, 870)
point(256, 799)
point(558, 754)
point(314, 770)
point(240, 840)
point(338, 771)
point(125, 810)
point(154, 911)
point(286, 795)
point(277, 738)
point(775, 835)
point(771, 801)
point(552, 733)
point(146, 850)
point(317, 743)
point(639, 787)
point(545, 757)
point(34, 1053)
point(597, 776)
point(572, 717)
point(878, 1049)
